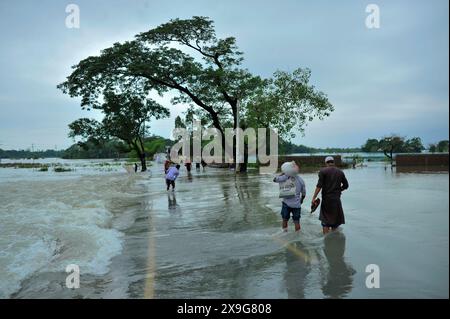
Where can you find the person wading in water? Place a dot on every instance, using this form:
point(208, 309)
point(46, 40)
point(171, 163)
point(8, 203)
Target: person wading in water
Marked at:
point(293, 192)
point(332, 182)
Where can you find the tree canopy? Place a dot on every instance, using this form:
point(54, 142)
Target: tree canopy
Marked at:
point(186, 57)
point(440, 147)
point(393, 144)
point(126, 118)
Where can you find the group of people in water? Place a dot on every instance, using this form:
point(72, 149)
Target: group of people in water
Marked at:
point(331, 183)
point(171, 172)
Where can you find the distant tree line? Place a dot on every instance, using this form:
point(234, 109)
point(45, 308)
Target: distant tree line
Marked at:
point(126, 122)
point(115, 148)
point(398, 144)
point(286, 147)
point(440, 147)
point(153, 145)
point(186, 59)
point(393, 144)
point(92, 148)
point(30, 154)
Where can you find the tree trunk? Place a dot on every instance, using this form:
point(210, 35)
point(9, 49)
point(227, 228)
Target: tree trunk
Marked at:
point(390, 155)
point(143, 162)
point(142, 156)
point(243, 166)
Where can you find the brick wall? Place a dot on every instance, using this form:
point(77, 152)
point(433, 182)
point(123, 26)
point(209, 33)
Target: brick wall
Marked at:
point(421, 160)
point(313, 160)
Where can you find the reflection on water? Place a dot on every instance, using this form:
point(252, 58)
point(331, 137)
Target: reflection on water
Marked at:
point(328, 258)
point(218, 236)
point(172, 200)
point(338, 282)
point(297, 270)
point(421, 169)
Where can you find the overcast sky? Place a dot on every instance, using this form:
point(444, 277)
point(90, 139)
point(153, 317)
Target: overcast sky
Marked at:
point(388, 80)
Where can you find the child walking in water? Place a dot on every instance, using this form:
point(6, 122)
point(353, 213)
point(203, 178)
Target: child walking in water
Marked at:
point(166, 165)
point(171, 176)
point(293, 192)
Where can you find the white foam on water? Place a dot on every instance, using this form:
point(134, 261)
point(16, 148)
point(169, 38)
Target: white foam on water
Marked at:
point(45, 226)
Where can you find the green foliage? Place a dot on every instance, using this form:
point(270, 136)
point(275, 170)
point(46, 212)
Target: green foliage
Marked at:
point(334, 150)
point(91, 149)
point(185, 56)
point(440, 147)
point(391, 144)
point(21, 165)
point(60, 169)
point(286, 102)
point(125, 118)
point(372, 145)
point(153, 145)
point(286, 147)
point(413, 145)
point(179, 123)
point(394, 144)
point(29, 154)
point(432, 148)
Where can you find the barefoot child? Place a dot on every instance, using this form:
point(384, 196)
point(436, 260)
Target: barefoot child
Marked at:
point(293, 192)
point(171, 176)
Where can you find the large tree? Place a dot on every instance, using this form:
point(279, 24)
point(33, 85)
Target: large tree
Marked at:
point(126, 117)
point(392, 144)
point(186, 57)
point(371, 145)
point(413, 145)
point(442, 146)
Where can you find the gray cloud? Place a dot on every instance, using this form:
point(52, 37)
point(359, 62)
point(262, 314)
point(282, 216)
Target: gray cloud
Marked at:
point(394, 79)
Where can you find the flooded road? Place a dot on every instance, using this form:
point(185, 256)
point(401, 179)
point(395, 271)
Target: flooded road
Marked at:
point(218, 236)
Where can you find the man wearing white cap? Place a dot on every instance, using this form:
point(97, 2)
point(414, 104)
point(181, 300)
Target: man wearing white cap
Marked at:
point(332, 182)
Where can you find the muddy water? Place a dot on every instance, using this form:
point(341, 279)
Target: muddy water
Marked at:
point(218, 235)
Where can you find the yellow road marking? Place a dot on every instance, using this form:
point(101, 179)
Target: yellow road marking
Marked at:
point(149, 290)
point(294, 250)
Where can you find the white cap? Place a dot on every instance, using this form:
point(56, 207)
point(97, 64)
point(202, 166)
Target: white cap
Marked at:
point(329, 159)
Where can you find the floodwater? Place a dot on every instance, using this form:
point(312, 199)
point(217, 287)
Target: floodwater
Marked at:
point(218, 235)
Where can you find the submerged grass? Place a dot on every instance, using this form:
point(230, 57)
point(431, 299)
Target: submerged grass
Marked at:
point(21, 165)
point(39, 166)
point(60, 169)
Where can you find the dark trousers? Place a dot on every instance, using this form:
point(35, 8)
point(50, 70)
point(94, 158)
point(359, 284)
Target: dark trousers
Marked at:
point(169, 182)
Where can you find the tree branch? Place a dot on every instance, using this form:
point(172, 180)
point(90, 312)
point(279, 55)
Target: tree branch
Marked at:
point(174, 85)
